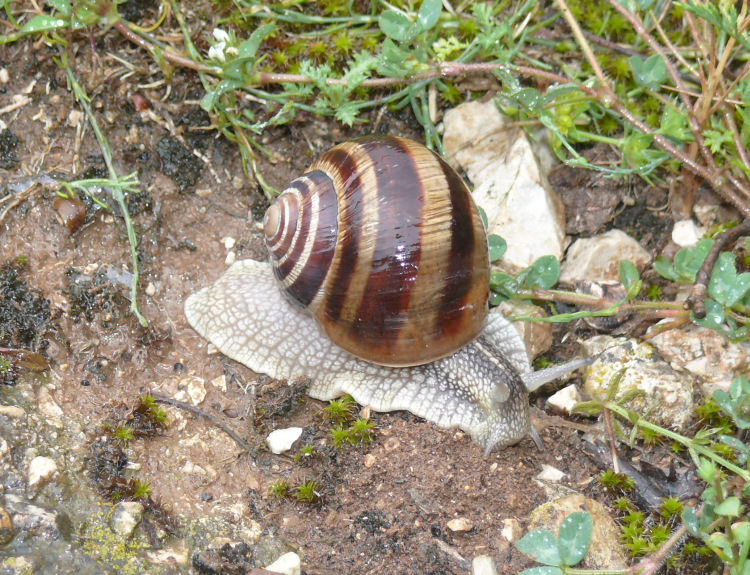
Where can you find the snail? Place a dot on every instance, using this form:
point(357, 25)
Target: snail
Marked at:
point(378, 287)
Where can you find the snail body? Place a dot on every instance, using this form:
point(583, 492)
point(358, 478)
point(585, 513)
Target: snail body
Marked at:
point(378, 287)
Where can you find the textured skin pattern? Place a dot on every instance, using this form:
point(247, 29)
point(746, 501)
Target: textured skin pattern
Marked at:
point(478, 389)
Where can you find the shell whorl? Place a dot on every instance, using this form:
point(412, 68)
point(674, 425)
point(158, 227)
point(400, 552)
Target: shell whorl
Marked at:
point(382, 244)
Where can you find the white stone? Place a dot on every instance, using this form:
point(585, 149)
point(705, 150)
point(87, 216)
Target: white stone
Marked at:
point(287, 564)
point(195, 388)
point(598, 258)
point(565, 399)
point(150, 289)
point(508, 183)
point(686, 233)
point(511, 530)
point(460, 524)
point(74, 118)
point(230, 259)
point(706, 353)
point(12, 411)
point(4, 449)
point(282, 440)
point(125, 517)
point(483, 565)
point(707, 214)
point(550, 473)
point(536, 335)
point(229, 242)
point(4, 76)
point(191, 468)
point(220, 382)
point(169, 555)
point(41, 470)
point(46, 404)
point(667, 395)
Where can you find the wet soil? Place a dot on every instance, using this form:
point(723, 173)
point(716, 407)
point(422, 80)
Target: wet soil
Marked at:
point(384, 506)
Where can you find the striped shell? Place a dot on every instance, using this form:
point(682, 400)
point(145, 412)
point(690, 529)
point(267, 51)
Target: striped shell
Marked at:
point(382, 244)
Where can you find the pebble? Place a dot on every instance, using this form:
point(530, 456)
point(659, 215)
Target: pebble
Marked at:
point(195, 388)
point(220, 382)
point(12, 411)
point(168, 556)
point(229, 242)
point(230, 259)
point(686, 233)
point(598, 258)
point(125, 517)
point(564, 400)
point(287, 564)
point(4, 449)
point(6, 527)
point(4, 76)
point(483, 565)
point(550, 473)
point(28, 517)
point(369, 460)
point(41, 470)
point(460, 524)
point(150, 289)
point(282, 440)
point(47, 405)
point(511, 530)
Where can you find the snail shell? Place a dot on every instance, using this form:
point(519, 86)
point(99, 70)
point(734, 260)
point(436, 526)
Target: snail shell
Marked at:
point(382, 244)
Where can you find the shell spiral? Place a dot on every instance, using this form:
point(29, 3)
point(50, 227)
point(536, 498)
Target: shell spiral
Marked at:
point(381, 242)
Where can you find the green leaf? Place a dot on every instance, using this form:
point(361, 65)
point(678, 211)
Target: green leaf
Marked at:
point(43, 23)
point(528, 98)
point(730, 507)
point(674, 124)
point(588, 407)
point(574, 537)
point(428, 15)
point(649, 73)
point(483, 215)
point(62, 6)
point(395, 62)
point(542, 571)
point(690, 520)
point(543, 273)
point(249, 47)
point(503, 284)
point(498, 246)
point(725, 286)
point(394, 25)
point(541, 546)
point(346, 113)
point(628, 274)
point(714, 315)
point(208, 101)
point(664, 267)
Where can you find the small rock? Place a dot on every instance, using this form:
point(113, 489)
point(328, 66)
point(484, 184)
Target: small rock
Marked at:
point(28, 517)
point(460, 524)
point(686, 233)
point(125, 517)
point(508, 182)
point(230, 259)
point(705, 353)
point(536, 335)
point(220, 382)
point(282, 440)
point(550, 473)
point(369, 460)
point(150, 289)
point(268, 549)
point(219, 542)
point(4, 76)
point(251, 533)
point(604, 551)
point(228, 242)
point(4, 449)
point(195, 388)
point(564, 400)
point(598, 258)
point(483, 565)
point(74, 118)
point(6, 527)
point(41, 470)
point(668, 395)
point(288, 564)
point(168, 556)
point(12, 411)
point(511, 530)
point(211, 349)
point(46, 404)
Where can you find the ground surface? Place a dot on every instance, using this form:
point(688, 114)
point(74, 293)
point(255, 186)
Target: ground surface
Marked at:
point(385, 506)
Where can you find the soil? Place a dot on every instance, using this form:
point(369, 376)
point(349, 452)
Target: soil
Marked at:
point(383, 506)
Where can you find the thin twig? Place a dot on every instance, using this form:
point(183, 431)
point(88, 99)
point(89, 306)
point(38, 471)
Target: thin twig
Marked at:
point(186, 406)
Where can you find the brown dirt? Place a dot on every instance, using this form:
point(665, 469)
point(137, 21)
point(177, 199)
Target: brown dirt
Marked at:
point(385, 506)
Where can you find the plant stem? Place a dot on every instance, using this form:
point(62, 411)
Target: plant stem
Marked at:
point(116, 191)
